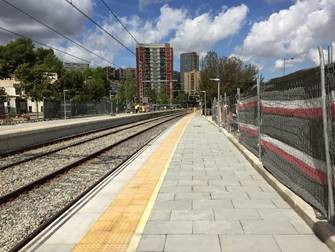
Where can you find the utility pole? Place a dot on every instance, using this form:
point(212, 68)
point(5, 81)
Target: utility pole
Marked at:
point(64, 96)
point(219, 105)
point(205, 102)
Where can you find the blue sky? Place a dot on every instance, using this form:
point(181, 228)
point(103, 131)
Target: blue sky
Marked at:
point(262, 32)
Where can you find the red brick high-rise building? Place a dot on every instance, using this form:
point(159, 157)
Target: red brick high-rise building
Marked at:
point(154, 69)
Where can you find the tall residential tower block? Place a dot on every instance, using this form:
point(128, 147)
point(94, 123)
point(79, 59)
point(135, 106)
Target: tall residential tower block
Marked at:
point(154, 69)
point(188, 62)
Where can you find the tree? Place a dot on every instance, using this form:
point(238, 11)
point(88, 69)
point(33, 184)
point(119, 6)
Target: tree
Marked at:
point(181, 99)
point(162, 97)
point(232, 72)
point(15, 53)
point(127, 90)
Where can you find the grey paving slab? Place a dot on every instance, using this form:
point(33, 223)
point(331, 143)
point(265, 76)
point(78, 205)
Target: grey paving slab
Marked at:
point(192, 195)
point(160, 215)
point(217, 227)
point(163, 196)
point(236, 214)
point(211, 188)
point(300, 243)
point(206, 204)
point(168, 227)
point(192, 243)
point(173, 204)
point(268, 227)
point(212, 199)
point(152, 243)
point(244, 243)
point(192, 214)
point(253, 203)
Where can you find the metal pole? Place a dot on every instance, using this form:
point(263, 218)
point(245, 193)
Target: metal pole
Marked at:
point(330, 54)
point(284, 66)
point(238, 109)
point(326, 140)
point(205, 105)
point(259, 116)
point(110, 100)
point(64, 104)
point(219, 104)
point(225, 111)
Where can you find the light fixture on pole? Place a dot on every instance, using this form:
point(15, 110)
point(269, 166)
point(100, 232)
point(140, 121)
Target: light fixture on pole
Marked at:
point(205, 107)
point(64, 96)
point(219, 105)
point(284, 63)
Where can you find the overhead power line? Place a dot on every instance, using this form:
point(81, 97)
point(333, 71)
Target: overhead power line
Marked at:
point(117, 18)
point(43, 44)
point(99, 26)
point(57, 32)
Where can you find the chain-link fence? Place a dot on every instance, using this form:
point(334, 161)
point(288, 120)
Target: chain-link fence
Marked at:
point(56, 109)
point(248, 119)
point(292, 137)
point(281, 121)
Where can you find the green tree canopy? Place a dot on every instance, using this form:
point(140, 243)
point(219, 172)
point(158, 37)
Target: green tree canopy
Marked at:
point(127, 90)
point(15, 53)
point(232, 72)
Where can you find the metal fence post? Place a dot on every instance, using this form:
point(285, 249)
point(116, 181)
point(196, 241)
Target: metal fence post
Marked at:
point(259, 116)
point(330, 54)
point(326, 139)
point(238, 109)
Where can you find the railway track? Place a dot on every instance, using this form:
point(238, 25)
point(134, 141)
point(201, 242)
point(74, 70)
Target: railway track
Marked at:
point(25, 155)
point(29, 209)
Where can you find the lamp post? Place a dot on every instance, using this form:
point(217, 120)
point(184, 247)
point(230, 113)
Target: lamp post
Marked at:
point(64, 92)
point(286, 59)
point(111, 102)
point(205, 102)
point(219, 105)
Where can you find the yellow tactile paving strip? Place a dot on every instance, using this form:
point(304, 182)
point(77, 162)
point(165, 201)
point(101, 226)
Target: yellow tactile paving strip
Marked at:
point(116, 227)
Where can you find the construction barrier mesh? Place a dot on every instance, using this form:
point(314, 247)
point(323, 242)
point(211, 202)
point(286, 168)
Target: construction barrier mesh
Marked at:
point(291, 132)
point(248, 116)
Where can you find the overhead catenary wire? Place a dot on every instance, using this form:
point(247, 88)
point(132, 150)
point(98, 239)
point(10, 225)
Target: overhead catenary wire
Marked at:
point(43, 44)
point(119, 20)
point(99, 26)
point(57, 32)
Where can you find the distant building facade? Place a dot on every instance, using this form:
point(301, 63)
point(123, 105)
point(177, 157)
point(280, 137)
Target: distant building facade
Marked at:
point(75, 66)
point(154, 69)
point(191, 81)
point(118, 74)
point(188, 62)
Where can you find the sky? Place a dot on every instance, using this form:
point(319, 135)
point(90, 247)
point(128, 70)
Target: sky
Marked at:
point(261, 32)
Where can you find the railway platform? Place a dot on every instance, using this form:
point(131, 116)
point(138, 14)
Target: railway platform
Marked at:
point(190, 190)
point(29, 126)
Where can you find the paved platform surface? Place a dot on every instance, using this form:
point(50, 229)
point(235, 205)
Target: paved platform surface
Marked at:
point(6, 129)
point(212, 199)
point(190, 190)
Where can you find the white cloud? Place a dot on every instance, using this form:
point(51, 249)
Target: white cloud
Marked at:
point(197, 33)
point(294, 31)
point(186, 32)
point(143, 3)
point(202, 32)
point(55, 13)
